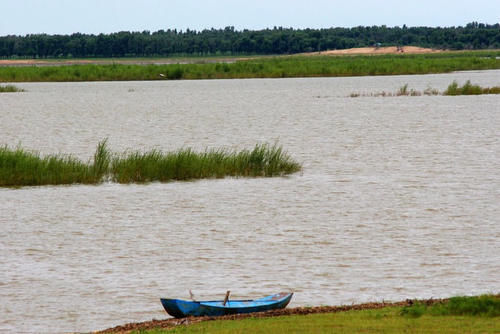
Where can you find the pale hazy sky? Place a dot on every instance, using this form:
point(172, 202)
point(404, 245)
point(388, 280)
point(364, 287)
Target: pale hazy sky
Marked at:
point(20, 17)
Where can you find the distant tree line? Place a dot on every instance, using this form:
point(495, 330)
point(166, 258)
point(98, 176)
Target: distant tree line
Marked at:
point(229, 41)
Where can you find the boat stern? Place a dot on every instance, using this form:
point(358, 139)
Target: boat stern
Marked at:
point(178, 308)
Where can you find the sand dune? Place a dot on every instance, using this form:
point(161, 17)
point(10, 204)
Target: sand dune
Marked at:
point(379, 50)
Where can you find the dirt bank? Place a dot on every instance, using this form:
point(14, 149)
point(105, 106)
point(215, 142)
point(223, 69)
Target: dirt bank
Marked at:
point(170, 323)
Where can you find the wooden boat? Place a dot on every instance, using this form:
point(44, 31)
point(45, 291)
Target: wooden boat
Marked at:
point(183, 308)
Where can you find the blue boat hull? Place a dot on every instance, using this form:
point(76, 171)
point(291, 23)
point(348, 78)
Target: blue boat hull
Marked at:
point(182, 308)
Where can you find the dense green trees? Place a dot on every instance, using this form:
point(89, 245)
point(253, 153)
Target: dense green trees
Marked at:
point(229, 41)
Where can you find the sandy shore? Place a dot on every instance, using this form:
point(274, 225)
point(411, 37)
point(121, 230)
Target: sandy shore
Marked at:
point(378, 50)
point(171, 322)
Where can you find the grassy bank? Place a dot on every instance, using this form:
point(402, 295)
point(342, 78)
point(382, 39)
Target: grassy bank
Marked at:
point(453, 90)
point(10, 89)
point(455, 315)
point(273, 67)
point(369, 321)
point(22, 168)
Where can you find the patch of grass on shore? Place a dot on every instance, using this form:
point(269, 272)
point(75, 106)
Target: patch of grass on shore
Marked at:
point(385, 320)
point(264, 67)
point(10, 89)
point(21, 168)
point(263, 160)
point(488, 306)
point(452, 90)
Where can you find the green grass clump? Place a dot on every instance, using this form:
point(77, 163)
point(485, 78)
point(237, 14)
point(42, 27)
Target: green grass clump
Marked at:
point(475, 306)
point(263, 160)
point(22, 168)
point(470, 89)
point(10, 89)
point(486, 305)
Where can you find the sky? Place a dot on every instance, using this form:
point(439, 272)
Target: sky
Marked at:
point(21, 17)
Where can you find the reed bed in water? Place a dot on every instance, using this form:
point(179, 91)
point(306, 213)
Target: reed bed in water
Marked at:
point(265, 67)
point(453, 90)
point(10, 89)
point(262, 160)
point(19, 167)
point(22, 168)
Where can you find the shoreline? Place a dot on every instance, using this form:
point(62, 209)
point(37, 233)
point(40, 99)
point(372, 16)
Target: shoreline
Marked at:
point(298, 66)
point(166, 60)
point(170, 323)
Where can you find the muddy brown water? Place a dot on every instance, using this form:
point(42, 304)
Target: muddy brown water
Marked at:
point(399, 198)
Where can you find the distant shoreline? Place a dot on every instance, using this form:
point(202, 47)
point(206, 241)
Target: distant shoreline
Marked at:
point(385, 50)
point(335, 63)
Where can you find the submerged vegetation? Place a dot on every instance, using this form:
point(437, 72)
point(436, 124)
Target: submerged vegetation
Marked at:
point(21, 168)
point(263, 67)
point(10, 89)
point(453, 90)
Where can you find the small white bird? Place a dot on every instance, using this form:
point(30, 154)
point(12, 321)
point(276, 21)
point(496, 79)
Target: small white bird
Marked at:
point(162, 75)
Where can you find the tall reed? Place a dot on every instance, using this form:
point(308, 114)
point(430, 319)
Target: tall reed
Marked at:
point(102, 159)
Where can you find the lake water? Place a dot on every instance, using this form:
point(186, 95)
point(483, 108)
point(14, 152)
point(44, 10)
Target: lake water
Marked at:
point(399, 198)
